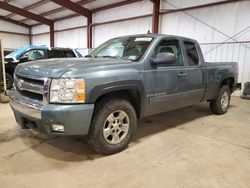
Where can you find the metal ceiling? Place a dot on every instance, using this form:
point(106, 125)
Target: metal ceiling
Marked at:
point(51, 10)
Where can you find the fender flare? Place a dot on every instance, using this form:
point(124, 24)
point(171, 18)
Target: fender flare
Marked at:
point(106, 88)
point(229, 75)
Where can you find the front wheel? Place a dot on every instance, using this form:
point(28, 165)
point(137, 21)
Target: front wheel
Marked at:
point(9, 80)
point(112, 127)
point(221, 104)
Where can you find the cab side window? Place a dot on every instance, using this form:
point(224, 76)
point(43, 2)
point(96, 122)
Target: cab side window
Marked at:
point(192, 54)
point(34, 55)
point(69, 53)
point(170, 46)
point(55, 54)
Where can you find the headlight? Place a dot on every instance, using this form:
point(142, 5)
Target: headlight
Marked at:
point(67, 90)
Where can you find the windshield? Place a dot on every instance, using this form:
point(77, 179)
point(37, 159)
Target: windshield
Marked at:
point(15, 53)
point(130, 48)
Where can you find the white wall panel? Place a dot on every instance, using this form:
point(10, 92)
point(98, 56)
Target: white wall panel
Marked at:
point(170, 24)
point(228, 19)
point(13, 41)
point(41, 40)
point(40, 29)
point(108, 31)
point(172, 4)
point(202, 32)
point(69, 23)
point(76, 38)
point(242, 20)
point(225, 20)
point(7, 26)
point(126, 11)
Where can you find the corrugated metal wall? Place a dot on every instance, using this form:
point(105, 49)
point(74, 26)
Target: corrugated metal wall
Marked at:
point(211, 24)
point(13, 41)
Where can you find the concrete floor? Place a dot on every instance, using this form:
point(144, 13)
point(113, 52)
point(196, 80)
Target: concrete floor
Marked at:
point(186, 148)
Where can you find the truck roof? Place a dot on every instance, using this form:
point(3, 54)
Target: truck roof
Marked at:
point(158, 35)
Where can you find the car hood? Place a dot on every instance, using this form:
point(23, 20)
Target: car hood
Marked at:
point(55, 68)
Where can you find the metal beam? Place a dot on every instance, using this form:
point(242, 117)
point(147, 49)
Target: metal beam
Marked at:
point(14, 33)
point(99, 9)
point(115, 5)
point(54, 11)
point(32, 6)
point(74, 7)
point(13, 21)
point(155, 17)
point(24, 13)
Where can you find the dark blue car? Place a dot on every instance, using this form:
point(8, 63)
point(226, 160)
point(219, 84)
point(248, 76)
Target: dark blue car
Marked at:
point(31, 53)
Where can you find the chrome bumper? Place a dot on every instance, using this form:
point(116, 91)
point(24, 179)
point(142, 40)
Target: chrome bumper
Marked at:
point(40, 117)
point(24, 105)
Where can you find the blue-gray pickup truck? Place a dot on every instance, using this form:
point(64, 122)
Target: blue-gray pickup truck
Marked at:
point(127, 78)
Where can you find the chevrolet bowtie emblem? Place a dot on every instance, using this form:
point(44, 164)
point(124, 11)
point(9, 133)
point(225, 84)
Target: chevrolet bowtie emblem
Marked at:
point(20, 84)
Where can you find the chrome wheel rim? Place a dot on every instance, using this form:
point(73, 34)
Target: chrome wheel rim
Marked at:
point(224, 100)
point(116, 127)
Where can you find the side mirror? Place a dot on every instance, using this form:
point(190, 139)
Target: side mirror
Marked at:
point(23, 59)
point(165, 58)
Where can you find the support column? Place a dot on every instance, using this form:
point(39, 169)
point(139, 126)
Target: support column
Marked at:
point(30, 35)
point(89, 32)
point(52, 35)
point(156, 15)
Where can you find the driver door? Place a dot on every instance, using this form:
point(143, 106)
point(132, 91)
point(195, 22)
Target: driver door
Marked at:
point(168, 84)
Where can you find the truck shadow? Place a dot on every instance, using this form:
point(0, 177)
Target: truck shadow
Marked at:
point(76, 148)
point(161, 122)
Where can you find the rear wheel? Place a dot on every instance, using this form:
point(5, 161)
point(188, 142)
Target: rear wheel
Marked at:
point(112, 127)
point(221, 104)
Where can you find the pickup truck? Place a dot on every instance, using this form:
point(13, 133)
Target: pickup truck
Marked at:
point(103, 95)
point(31, 53)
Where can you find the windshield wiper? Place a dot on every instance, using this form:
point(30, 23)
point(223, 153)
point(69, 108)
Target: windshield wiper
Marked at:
point(91, 56)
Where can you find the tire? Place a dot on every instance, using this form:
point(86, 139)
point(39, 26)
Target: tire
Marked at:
point(112, 127)
point(9, 80)
point(221, 104)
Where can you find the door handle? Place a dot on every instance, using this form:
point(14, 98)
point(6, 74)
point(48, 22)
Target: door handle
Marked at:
point(182, 74)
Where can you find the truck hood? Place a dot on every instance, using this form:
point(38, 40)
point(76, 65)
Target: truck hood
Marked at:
point(55, 68)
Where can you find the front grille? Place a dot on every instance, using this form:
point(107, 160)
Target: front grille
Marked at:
point(30, 87)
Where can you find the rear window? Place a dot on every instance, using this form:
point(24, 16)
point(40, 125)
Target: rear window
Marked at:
point(55, 54)
point(69, 53)
point(192, 54)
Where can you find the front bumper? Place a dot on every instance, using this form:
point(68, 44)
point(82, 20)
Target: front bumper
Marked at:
point(75, 118)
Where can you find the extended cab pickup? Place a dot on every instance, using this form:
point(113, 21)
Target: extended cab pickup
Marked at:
point(125, 79)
